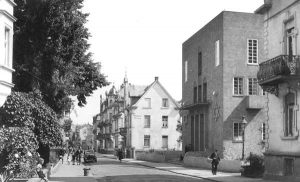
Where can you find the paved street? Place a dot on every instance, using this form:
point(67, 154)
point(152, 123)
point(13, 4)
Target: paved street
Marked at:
point(108, 169)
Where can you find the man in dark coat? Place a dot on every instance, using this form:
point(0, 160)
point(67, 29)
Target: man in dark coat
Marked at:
point(120, 154)
point(215, 162)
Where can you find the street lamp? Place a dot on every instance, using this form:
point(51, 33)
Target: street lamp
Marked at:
point(244, 123)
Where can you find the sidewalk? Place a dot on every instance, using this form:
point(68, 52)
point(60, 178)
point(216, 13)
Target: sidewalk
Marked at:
point(70, 173)
point(193, 172)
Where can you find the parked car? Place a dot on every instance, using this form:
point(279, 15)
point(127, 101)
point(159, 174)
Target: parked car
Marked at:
point(89, 156)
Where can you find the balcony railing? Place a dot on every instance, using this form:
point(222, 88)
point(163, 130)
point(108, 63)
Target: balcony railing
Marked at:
point(277, 69)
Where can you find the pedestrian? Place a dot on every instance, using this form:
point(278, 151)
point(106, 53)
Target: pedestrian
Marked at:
point(40, 172)
point(120, 155)
point(215, 162)
point(69, 158)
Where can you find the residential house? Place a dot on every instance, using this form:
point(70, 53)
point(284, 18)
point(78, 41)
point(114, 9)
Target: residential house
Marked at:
point(219, 89)
point(138, 118)
point(279, 75)
point(6, 49)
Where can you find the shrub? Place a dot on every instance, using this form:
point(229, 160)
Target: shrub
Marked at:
point(256, 168)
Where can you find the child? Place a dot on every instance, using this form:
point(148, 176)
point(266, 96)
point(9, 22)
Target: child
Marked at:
point(40, 172)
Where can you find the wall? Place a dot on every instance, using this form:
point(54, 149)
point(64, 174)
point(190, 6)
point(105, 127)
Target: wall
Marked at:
point(156, 112)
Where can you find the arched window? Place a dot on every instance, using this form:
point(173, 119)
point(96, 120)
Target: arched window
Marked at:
point(290, 114)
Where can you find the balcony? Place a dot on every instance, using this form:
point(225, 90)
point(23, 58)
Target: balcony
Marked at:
point(198, 104)
point(255, 102)
point(278, 69)
point(123, 131)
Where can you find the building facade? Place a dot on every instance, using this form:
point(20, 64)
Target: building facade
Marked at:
point(6, 49)
point(219, 88)
point(279, 75)
point(137, 118)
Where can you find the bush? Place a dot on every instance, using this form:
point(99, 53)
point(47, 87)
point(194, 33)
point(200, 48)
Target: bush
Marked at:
point(256, 168)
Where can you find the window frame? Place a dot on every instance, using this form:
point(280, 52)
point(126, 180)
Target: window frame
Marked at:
point(185, 71)
point(217, 53)
point(147, 103)
point(199, 63)
point(163, 121)
point(263, 131)
point(239, 137)
point(167, 102)
point(147, 137)
point(147, 125)
point(248, 86)
point(242, 86)
point(248, 52)
point(167, 138)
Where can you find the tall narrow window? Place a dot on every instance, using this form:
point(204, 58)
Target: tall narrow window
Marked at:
point(165, 102)
point(237, 132)
point(252, 51)
point(6, 46)
point(147, 102)
point(165, 121)
point(199, 63)
point(217, 53)
point(202, 133)
point(252, 86)
point(263, 131)
point(238, 86)
point(289, 114)
point(164, 141)
point(204, 92)
point(147, 121)
point(291, 45)
point(195, 94)
point(192, 133)
point(185, 71)
point(146, 140)
point(199, 93)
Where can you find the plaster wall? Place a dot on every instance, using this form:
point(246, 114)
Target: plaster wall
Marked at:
point(156, 131)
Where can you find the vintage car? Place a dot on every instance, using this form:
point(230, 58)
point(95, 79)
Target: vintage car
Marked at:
point(89, 156)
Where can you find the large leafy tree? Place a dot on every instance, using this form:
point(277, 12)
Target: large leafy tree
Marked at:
point(51, 52)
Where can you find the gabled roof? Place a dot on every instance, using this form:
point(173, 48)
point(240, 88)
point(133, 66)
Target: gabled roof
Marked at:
point(156, 82)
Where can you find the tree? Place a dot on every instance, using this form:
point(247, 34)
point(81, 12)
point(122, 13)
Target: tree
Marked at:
point(51, 52)
point(29, 112)
point(67, 125)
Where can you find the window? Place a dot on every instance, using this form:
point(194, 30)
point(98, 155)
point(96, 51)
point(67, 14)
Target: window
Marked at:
point(6, 46)
point(290, 114)
point(147, 102)
point(165, 121)
point(252, 86)
point(290, 41)
point(147, 121)
point(252, 51)
point(165, 102)
point(199, 93)
point(263, 131)
point(204, 92)
point(238, 86)
point(185, 71)
point(217, 53)
point(199, 63)
point(288, 166)
point(195, 95)
point(237, 132)
point(164, 141)
point(146, 140)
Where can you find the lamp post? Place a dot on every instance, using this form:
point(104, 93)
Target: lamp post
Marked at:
point(244, 123)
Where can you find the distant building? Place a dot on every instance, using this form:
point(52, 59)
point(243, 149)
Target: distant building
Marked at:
point(219, 87)
point(138, 118)
point(6, 49)
point(86, 136)
point(279, 75)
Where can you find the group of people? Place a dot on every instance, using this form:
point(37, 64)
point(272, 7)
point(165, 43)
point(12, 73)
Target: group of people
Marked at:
point(74, 156)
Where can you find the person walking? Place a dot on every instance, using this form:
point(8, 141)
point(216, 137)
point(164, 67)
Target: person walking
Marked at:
point(215, 162)
point(120, 155)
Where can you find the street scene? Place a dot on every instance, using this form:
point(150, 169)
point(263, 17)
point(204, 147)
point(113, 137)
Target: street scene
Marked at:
point(139, 90)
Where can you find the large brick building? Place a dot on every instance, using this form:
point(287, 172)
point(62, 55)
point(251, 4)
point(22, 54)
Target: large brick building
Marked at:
point(279, 75)
point(219, 87)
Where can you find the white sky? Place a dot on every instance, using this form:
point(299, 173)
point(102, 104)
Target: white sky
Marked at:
point(144, 37)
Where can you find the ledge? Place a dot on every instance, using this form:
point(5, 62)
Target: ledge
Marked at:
point(7, 68)
point(282, 154)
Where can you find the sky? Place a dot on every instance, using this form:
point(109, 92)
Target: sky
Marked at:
point(144, 39)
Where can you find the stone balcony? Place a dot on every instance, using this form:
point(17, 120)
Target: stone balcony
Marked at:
point(278, 70)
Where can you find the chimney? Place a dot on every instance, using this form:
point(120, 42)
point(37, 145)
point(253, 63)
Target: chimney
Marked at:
point(156, 78)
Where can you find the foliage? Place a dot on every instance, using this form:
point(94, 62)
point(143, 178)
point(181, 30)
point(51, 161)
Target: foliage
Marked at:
point(50, 52)
point(17, 151)
point(28, 110)
point(67, 125)
point(256, 168)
